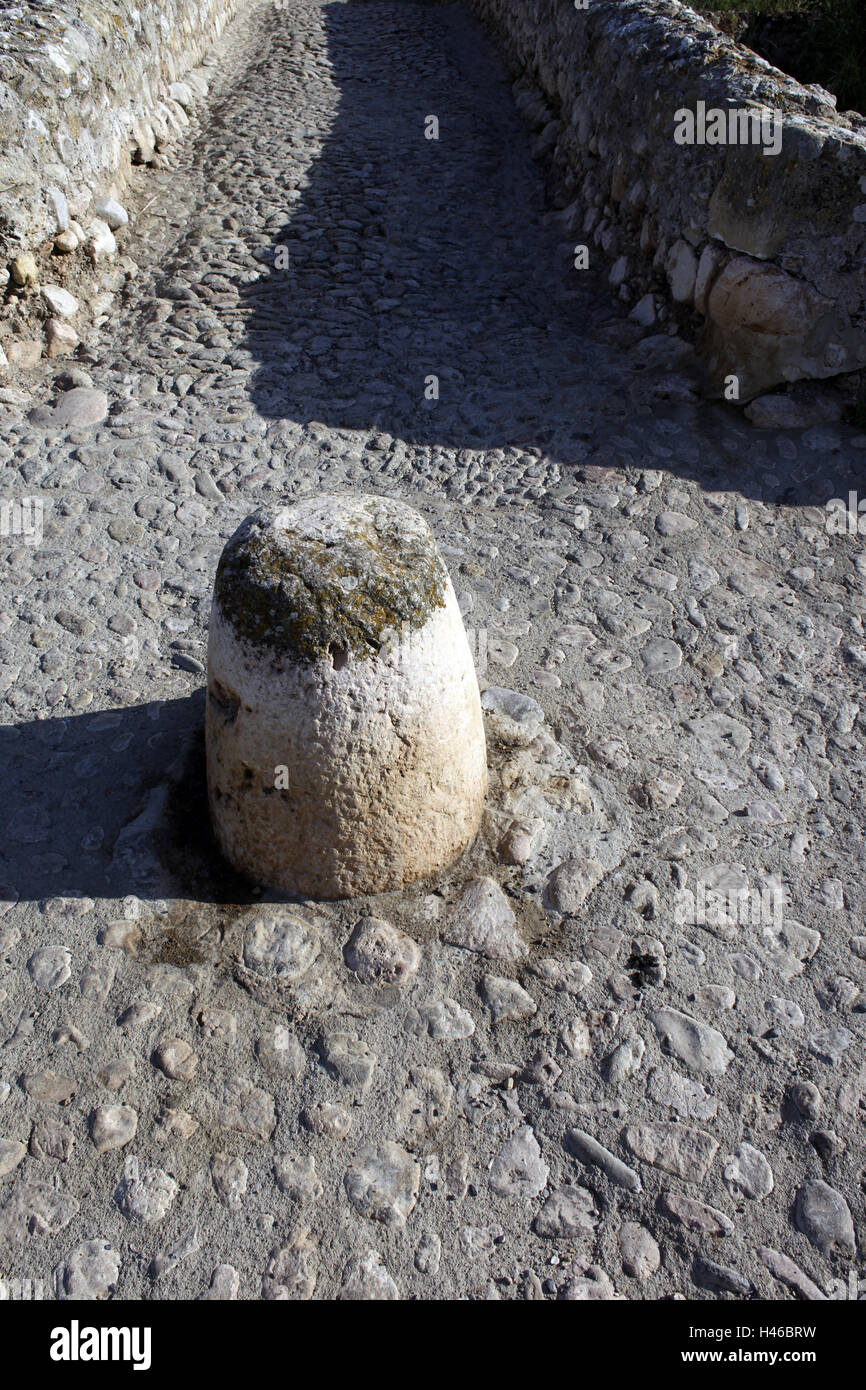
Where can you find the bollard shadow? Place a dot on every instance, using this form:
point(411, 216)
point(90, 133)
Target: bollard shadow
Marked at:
point(111, 803)
point(407, 265)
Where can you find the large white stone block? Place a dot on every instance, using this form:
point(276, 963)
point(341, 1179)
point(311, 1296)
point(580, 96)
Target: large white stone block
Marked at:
point(345, 744)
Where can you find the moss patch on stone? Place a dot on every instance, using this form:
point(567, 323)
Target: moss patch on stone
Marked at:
point(308, 597)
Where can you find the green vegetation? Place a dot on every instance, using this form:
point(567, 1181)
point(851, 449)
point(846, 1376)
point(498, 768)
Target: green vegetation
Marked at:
point(827, 40)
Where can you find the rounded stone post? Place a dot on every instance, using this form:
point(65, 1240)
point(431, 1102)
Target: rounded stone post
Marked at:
point(345, 744)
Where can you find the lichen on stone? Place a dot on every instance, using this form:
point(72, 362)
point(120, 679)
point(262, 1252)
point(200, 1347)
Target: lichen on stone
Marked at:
point(306, 583)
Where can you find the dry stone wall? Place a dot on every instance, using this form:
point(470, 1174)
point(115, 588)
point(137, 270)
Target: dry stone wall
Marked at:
point(85, 88)
point(768, 249)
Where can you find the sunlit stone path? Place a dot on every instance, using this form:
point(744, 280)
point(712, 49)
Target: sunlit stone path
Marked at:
point(618, 1050)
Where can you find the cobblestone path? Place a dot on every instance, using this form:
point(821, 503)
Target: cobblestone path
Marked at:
point(664, 1095)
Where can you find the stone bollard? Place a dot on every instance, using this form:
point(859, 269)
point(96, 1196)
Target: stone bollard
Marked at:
point(345, 744)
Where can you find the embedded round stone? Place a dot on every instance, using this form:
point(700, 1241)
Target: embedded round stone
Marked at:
point(280, 947)
point(379, 954)
point(382, 1183)
point(112, 1127)
point(89, 1272)
point(345, 743)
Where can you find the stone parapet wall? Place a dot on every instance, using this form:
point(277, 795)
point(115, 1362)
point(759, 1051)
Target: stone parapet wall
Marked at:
point(765, 253)
point(87, 86)
point(767, 249)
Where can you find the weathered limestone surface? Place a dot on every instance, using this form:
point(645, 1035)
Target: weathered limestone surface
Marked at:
point(86, 85)
point(337, 653)
point(603, 84)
